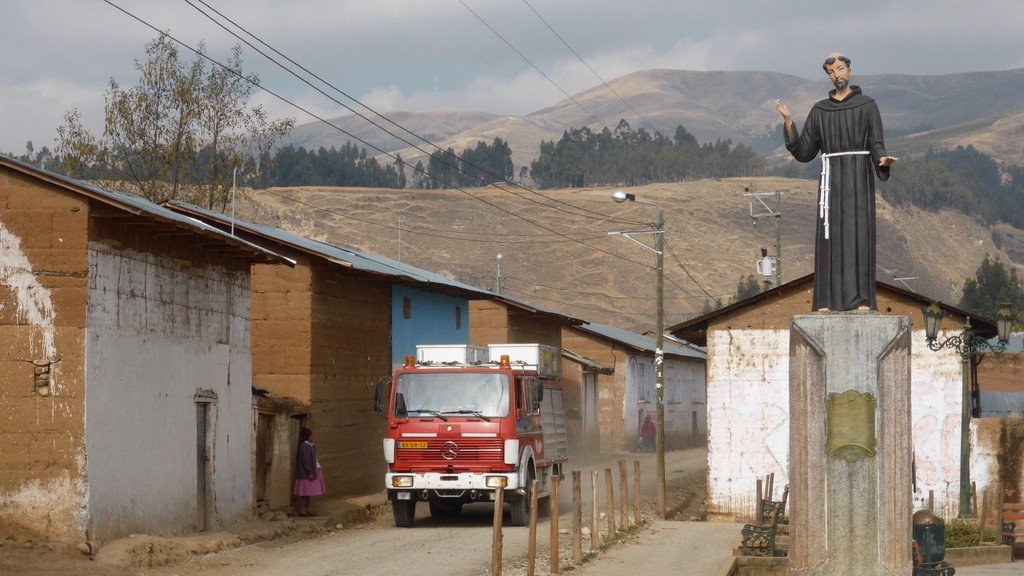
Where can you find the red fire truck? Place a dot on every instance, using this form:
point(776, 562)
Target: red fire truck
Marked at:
point(464, 420)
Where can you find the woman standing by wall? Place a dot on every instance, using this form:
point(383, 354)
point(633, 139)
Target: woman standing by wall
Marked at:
point(309, 479)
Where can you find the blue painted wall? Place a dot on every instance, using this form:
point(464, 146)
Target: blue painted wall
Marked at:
point(420, 317)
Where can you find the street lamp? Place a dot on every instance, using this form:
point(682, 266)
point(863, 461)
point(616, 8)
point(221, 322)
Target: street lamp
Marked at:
point(659, 337)
point(967, 344)
point(497, 281)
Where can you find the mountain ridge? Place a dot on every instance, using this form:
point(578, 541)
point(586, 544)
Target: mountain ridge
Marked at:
point(982, 109)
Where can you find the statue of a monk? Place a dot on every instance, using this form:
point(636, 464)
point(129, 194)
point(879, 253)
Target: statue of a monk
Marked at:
point(846, 128)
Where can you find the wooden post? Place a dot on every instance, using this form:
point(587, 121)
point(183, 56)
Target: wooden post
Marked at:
point(623, 496)
point(931, 501)
point(636, 491)
point(531, 549)
point(499, 498)
point(611, 503)
point(974, 500)
point(554, 524)
point(595, 515)
point(577, 519)
point(981, 518)
point(759, 504)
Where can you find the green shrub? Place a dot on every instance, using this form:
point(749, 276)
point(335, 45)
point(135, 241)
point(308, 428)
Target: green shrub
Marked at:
point(963, 533)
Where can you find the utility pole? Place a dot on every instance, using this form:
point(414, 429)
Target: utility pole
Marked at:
point(776, 215)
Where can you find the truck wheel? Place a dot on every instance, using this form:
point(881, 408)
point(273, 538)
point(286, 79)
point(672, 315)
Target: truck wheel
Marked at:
point(442, 509)
point(404, 512)
point(521, 507)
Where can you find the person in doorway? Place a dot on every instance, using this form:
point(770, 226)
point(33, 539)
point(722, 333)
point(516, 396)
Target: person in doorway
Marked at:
point(309, 479)
point(648, 431)
point(846, 128)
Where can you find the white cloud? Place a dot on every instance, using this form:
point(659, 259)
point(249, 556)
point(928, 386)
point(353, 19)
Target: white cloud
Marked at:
point(60, 54)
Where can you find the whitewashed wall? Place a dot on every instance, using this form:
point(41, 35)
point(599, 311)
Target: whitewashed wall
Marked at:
point(684, 394)
point(748, 421)
point(159, 331)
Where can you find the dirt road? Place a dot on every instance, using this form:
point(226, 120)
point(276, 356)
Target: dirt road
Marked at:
point(433, 547)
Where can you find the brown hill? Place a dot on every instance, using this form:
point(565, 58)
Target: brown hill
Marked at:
point(557, 252)
point(983, 109)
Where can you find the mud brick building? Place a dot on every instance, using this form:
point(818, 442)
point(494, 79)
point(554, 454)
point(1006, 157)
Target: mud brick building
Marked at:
point(125, 372)
point(748, 398)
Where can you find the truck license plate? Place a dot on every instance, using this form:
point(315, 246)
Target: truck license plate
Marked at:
point(412, 445)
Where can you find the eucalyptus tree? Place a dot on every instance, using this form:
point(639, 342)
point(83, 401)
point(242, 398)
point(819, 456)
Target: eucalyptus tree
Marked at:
point(182, 132)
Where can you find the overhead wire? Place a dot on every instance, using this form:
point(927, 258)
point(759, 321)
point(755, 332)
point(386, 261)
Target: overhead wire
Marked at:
point(527, 60)
point(283, 99)
point(331, 124)
point(479, 238)
point(592, 71)
point(454, 163)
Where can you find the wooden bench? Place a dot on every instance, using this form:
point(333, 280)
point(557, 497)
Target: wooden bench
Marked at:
point(778, 507)
point(1011, 522)
point(759, 540)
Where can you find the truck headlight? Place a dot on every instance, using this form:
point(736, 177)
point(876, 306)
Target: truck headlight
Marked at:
point(401, 481)
point(496, 481)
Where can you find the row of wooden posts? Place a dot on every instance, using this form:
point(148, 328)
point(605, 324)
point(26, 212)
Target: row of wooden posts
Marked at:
point(576, 531)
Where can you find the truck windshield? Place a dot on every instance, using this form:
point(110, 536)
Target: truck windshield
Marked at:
point(452, 393)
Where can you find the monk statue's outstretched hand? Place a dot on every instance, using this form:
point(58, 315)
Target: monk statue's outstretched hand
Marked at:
point(782, 110)
point(886, 161)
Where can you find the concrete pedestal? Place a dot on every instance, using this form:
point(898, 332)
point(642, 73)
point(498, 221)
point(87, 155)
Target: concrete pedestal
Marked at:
point(850, 447)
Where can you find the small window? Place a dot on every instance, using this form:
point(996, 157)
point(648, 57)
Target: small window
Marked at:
point(458, 318)
point(406, 308)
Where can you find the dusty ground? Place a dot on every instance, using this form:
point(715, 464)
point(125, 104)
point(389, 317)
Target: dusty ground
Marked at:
point(351, 525)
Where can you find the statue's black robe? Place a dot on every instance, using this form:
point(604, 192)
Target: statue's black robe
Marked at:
point(844, 264)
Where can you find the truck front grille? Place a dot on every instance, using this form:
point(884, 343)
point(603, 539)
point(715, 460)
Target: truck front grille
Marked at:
point(454, 452)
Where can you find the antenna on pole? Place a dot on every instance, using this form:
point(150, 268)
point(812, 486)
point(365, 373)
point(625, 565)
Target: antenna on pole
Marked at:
point(904, 282)
point(768, 265)
point(234, 177)
point(401, 218)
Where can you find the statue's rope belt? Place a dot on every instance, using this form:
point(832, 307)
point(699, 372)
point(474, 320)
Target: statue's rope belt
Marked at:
point(823, 188)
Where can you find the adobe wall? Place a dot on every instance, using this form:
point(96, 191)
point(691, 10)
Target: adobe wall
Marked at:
point(626, 396)
point(43, 275)
point(351, 329)
point(282, 337)
point(169, 374)
point(493, 322)
point(611, 389)
point(748, 407)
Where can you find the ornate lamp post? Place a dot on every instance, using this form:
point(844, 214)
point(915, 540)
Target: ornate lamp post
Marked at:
point(967, 344)
point(659, 338)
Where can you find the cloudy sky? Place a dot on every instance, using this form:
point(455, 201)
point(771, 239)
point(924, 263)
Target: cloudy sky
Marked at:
point(500, 56)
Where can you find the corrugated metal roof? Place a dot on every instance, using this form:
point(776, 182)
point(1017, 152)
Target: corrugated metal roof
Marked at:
point(593, 365)
point(338, 254)
point(355, 259)
point(136, 205)
point(640, 342)
point(1002, 404)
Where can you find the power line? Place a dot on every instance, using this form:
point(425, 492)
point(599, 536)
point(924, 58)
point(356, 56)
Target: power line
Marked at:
point(527, 60)
point(578, 211)
point(592, 71)
point(467, 237)
point(325, 121)
point(283, 99)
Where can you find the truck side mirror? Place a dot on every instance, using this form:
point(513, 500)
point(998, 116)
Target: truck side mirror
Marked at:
point(540, 392)
point(379, 394)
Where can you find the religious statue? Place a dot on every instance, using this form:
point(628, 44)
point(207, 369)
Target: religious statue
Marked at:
point(846, 128)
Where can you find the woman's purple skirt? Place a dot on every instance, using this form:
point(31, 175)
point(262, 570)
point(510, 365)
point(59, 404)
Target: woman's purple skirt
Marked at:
point(307, 487)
